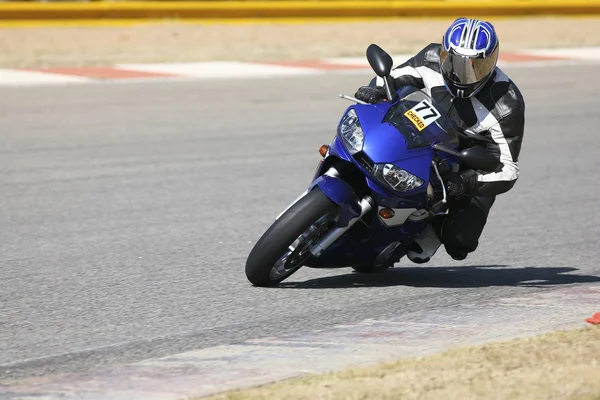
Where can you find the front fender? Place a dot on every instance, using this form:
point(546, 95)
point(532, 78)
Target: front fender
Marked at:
point(340, 193)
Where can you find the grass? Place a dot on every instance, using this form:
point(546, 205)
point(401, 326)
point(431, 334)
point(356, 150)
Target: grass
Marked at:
point(562, 365)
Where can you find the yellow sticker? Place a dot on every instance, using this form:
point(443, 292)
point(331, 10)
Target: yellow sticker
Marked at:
point(415, 119)
point(422, 115)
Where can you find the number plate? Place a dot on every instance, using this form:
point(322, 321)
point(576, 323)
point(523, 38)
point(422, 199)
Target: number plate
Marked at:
point(422, 115)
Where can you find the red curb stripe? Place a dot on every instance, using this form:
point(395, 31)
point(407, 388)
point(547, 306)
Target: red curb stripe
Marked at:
point(102, 72)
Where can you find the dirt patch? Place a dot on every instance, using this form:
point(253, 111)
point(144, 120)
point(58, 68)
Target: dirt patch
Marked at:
point(173, 42)
point(561, 366)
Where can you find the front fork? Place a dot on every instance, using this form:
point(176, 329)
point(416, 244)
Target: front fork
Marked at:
point(366, 205)
point(352, 208)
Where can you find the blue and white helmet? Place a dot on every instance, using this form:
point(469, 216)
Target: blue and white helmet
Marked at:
point(468, 56)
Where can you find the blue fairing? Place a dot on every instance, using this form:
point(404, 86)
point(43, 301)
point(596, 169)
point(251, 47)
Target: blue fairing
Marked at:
point(340, 193)
point(389, 138)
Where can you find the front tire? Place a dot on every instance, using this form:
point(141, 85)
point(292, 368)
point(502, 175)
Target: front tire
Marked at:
point(271, 259)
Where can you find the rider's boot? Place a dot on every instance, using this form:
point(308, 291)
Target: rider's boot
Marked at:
point(425, 245)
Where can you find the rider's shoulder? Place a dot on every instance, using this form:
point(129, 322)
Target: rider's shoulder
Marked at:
point(429, 56)
point(505, 92)
point(431, 52)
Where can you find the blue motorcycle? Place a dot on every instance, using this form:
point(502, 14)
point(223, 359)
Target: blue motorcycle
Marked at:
point(376, 188)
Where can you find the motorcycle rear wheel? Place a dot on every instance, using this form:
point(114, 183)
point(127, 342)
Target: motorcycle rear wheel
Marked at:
point(283, 248)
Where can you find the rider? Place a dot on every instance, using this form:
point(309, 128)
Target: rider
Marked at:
point(461, 74)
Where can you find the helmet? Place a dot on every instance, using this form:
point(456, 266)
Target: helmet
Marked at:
point(468, 56)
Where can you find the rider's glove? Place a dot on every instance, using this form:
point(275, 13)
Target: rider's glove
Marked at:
point(370, 94)
point(461, 183)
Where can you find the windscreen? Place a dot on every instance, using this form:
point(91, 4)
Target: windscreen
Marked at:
point(421, 121)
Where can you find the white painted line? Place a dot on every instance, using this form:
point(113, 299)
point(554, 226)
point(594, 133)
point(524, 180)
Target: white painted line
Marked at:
point(579, 53)
point(24, 78)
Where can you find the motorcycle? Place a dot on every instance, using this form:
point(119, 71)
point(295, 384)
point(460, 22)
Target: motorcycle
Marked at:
point(377, 186)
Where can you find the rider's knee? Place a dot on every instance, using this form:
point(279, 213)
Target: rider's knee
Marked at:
point(458, 247)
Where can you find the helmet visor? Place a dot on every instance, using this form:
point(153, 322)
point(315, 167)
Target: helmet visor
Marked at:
point(463, 71)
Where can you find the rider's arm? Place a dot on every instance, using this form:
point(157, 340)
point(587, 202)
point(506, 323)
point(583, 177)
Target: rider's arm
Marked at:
point(507, 135)
point(410, 72)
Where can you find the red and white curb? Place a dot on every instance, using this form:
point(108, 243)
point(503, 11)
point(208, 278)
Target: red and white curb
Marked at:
point(255, 362)
point(230, 69)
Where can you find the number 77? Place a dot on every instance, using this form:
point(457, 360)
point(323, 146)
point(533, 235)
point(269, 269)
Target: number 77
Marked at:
point(427, 106)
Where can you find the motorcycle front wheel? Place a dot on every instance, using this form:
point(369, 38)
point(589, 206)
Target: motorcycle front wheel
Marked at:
point(284, 247)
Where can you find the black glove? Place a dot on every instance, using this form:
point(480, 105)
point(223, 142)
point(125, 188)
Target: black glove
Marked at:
point(461, 183)
point(370, 94)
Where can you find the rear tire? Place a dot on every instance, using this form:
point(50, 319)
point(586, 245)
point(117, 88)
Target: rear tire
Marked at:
point(275, 242)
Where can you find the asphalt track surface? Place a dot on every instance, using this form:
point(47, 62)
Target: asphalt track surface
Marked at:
point(128, 211)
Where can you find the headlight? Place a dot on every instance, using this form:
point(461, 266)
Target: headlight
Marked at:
point(399, 179)
point(351, 132)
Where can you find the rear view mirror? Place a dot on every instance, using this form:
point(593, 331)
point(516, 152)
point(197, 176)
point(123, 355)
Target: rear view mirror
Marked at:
point(379, 60)
point(479, 158)
point(382, 64)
